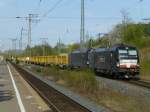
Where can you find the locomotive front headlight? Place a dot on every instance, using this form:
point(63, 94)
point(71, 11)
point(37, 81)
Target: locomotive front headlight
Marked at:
point(118, 65)
point(87, 63)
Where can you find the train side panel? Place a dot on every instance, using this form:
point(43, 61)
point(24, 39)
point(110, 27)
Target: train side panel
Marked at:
point(79, 59)
point(100, 60)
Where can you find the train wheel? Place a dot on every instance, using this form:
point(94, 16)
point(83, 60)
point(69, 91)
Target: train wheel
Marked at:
point(96, 72)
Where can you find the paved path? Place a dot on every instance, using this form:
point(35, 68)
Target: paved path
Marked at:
point(15, 94)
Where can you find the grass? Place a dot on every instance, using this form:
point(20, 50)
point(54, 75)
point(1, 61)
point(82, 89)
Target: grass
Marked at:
point(84, 83)
point(36, 69)
point(83, 80)
point(145, 63)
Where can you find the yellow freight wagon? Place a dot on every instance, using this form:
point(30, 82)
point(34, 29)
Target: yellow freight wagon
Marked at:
point(21, 59)
point(51, 60)
point(33, 59)
point(36, 60)
point(41, 59)
point(62, 59)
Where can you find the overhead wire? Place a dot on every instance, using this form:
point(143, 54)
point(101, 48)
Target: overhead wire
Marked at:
point(52, 8)
point(89, 18)
point(135, 4)
point(75, 18)
point(38, 5)
point(49, 11)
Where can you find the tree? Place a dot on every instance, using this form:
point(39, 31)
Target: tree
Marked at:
point(73, 47)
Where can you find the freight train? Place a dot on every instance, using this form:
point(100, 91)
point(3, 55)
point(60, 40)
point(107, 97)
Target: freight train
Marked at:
point(119, 61)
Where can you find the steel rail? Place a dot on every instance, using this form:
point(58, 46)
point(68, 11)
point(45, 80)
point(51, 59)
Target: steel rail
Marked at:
point(57, 101)
point(141, 83)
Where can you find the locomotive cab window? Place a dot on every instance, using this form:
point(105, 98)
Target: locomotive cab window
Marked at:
point(123, 54)
point(132, 52)
point(127, 54)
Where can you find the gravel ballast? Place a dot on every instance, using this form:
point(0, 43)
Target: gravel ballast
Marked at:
point(125, 88)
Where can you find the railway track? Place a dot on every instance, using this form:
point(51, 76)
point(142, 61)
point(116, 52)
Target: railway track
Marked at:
point(57, 101)
point(142, 83)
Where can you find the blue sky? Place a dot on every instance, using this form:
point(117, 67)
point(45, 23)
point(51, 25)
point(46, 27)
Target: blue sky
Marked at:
point(64, 21)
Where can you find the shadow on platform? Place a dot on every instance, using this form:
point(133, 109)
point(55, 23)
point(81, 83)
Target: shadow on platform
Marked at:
point(6, 95)
point(1, 85)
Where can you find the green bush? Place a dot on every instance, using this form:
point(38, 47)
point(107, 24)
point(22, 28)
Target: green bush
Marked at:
point(83, 80)
point(36, 69)
point(140, 42)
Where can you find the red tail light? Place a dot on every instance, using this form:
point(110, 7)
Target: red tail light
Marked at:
point(123, 66)
point(134, 66)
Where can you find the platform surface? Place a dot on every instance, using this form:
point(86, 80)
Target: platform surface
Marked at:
point(16, 95)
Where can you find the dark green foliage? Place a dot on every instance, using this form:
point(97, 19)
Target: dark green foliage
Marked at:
point(60, 48)
point(73, 47)
point(133, 32)
point(38, 50)
point(101, 42)
point(146, 29)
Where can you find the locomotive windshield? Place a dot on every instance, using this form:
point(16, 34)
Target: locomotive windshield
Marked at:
point(127, 54)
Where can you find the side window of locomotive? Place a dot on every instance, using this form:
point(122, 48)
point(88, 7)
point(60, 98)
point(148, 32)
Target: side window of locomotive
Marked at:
point(89, 56)
point(116, 57)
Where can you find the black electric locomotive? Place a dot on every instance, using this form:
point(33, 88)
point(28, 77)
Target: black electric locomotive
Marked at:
point(79, 58)
point(119, 61)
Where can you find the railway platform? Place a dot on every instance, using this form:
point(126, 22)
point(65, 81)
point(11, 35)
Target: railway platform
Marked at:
point(16, 95)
